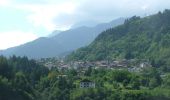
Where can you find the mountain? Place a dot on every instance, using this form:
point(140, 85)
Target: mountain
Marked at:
point(138, 38)
point(42, 47)
point(62, 43)
point(54, 33)
point(89, 23)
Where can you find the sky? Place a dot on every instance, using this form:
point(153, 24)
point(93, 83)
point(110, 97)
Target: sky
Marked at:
point(22, 21)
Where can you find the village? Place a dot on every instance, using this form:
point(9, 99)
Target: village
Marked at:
point(132, 65)
point(81, 67)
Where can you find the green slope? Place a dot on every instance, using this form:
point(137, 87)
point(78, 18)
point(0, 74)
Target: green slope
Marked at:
point(143, 38)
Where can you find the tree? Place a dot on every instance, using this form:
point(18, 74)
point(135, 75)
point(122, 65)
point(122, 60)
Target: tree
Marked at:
point(5, 69)
point(88, 71)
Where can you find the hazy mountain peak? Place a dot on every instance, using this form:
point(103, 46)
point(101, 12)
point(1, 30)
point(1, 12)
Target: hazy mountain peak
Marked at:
point(54, 33)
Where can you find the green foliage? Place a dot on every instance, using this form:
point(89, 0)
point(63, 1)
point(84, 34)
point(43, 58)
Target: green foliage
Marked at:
point(89, 94)
point(18, 77)
point(5, 69)
point(166, 81)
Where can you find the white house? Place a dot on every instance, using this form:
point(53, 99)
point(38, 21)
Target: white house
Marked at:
point(87, 84)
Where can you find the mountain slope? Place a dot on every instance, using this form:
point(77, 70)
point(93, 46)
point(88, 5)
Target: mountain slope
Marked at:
point(54, 33)
point(61, 43)
point(42, 47)
point(82, 36)
point(143, 38)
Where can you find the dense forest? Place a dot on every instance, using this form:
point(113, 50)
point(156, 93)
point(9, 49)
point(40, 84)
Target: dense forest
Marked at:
point(138, 38)
point(23, 79)
point(18, 78)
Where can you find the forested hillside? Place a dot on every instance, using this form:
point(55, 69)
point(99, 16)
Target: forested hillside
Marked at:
point(23, 79)
point(140, 38)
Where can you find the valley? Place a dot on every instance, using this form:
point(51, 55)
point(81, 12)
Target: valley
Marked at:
point(123, 60)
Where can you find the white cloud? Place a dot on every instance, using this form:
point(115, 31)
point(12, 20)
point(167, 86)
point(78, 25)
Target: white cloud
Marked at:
point(4, 2)
point(15, 38)
point(42, 15)
point(144, 7)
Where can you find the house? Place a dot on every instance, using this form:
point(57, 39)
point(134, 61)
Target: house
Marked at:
point(87, 84)
point(145, 64)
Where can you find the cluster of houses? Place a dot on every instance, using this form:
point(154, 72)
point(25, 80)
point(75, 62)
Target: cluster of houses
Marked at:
point(132, 65)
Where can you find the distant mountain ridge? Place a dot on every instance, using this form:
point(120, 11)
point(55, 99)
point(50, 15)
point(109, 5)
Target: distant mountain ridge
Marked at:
point(54, 33)
point(62, 43)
